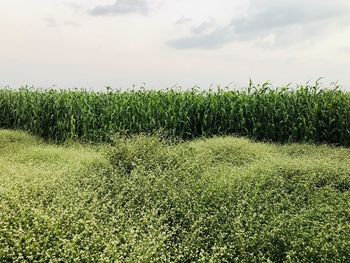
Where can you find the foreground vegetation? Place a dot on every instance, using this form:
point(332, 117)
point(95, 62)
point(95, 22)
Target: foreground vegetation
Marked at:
point(307, 114)
point(148, 200)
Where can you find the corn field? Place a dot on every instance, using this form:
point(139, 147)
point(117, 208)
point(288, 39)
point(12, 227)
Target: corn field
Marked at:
point(304, 114)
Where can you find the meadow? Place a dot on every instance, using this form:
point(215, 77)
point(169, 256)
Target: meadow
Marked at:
point(304, 114)
point(167, 176)
point(148, 199)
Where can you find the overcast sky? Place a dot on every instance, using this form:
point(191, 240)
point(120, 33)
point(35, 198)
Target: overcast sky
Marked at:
point(118, 43)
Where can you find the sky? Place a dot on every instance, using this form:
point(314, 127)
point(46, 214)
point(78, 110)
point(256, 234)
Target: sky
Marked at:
point(165, 43)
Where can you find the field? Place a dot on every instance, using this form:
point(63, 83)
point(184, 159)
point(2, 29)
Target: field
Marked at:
point(304, 114)
point(151, 199)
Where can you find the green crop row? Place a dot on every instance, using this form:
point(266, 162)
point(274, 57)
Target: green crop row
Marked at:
point(307, 113)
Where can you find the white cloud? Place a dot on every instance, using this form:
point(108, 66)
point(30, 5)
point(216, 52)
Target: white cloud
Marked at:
point(279, 40)
point(50, 22)
point(71, 23)
point(183, 20)
point(74, 7)
point(203, 27)
point(121, 7)
point(288, 21)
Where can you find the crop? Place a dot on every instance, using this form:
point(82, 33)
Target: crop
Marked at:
point(305, 114)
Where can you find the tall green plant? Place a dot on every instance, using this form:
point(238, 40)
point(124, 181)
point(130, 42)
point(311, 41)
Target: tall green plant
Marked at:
point(307, 113)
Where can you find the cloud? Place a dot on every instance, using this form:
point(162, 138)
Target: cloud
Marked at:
point(286, 21)
point(74, 7)
point(71, 23)
point(278, 14)
point(121, 7)
point(53, 23)
point(50, 22)
point(214, 39)
point(183, 20)
point(344, 49)
point(204, 27)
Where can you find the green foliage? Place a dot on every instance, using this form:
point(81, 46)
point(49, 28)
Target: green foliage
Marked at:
point(306, 114)
point(150, 200)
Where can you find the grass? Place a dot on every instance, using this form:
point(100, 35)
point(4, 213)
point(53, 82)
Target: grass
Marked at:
point(145, 199)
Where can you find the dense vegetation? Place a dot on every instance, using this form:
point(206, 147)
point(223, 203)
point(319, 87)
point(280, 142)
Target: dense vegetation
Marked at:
point(144, 199)
point(307, 113)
